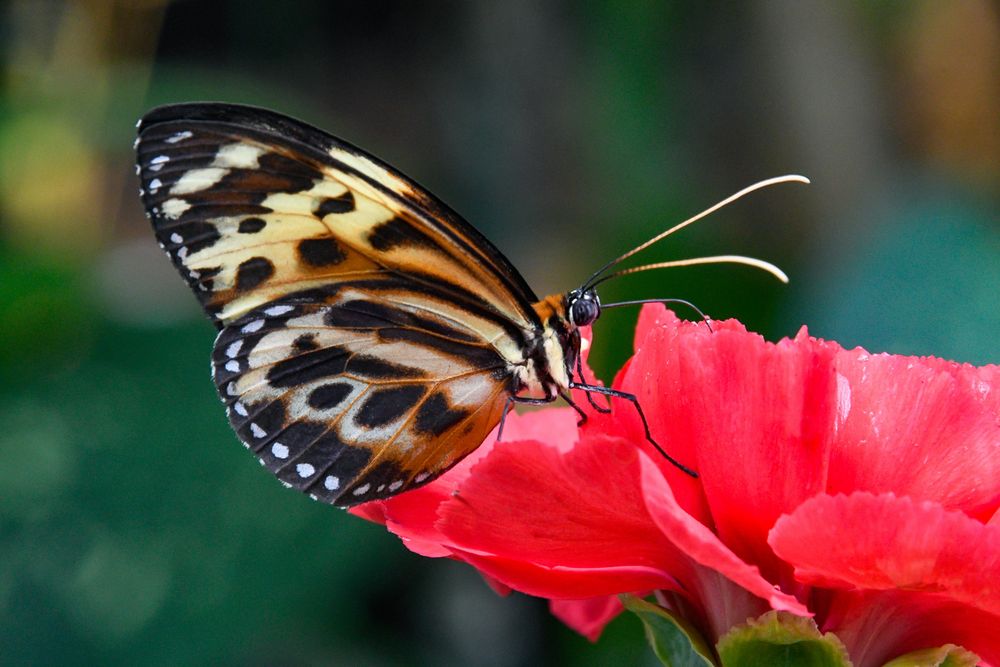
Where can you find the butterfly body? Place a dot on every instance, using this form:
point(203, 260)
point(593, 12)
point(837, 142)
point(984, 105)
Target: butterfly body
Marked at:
point(369, 338)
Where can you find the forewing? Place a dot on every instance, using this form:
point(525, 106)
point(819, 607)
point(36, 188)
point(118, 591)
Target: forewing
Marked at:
point(252, 206)
point(353, 395)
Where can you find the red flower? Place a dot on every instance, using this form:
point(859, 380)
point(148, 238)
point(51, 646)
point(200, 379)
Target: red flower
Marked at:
point(862, 490)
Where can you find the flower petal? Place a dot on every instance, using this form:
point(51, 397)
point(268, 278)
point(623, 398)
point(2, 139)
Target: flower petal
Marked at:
point(413, 515)
point(587, 616)
point(704, 548)
point(882, 542)
point(921, 427)
point(877, 626)
point(753, 417)
point(560, 515)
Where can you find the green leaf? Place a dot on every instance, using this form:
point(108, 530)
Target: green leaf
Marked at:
point(948, 655)
point(674, 641)
point(780, 639)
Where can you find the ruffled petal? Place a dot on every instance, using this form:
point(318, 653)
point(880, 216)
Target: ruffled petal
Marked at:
point(882, 542)
point(922, 427)
point(754, 417)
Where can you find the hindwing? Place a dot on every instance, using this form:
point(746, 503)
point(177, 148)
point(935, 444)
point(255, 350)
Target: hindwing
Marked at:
point(353, 396)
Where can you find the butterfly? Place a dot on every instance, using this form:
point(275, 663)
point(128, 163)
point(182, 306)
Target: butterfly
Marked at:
point(369, 337)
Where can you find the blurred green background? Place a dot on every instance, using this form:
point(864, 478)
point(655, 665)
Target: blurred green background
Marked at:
point(135, 530)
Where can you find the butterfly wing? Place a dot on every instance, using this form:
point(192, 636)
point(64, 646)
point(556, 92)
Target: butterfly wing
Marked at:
point(367, 332)
point(358, 394)
point(252, 205)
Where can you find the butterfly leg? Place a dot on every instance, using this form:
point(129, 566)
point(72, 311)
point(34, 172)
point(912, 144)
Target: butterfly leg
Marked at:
point(590, 399)
point(614, 393)
point(524, 400)
point(583, 415)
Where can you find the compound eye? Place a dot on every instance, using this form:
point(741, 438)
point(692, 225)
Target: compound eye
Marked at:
point(583, 312)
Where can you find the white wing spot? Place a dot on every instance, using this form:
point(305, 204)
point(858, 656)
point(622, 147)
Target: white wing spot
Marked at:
point(154, 186)
point(279, 450)
point(157, 162)
point(180, 136)
point(234, 348)
point(305, 470)
point(257, 431)
point(182, 253)
point(173, 208)
point(285, 484)
point(361, 490)
point(380, 488)
point(396, 485)
point(176, 238)
point(198, 179)
point(233, 366)
point(275, 311)
point(421, 477)
point(231, 389)
point(238, 156)
point(240, 409)
point(331, 483)
point(253, 326)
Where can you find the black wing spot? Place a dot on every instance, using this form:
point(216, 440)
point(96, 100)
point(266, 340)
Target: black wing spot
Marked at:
point(321, 252)
point(363, 314)
point(305, 343)
point(253, 272)
point(378, 369)
point(251, 225)
point(436, 416)
point(330, 395)
point(385, 406)
point(342, 204)
point(397, 232)
point(308, 367)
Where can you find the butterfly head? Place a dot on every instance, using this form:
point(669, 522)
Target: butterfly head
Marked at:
point(583, 307)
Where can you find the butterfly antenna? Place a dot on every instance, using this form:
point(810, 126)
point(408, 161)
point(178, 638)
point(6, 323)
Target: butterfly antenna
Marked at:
point(635, 302)
point(717, 259)
point(791, 178)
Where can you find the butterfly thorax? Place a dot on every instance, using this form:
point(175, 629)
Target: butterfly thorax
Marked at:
point(551, 353)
